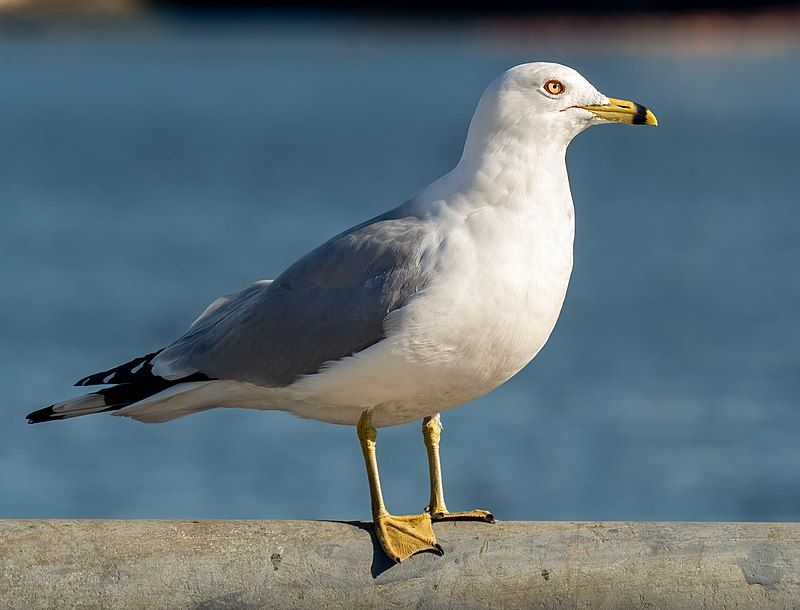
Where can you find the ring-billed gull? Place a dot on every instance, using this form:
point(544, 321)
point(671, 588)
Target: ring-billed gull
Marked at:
point(416, 311)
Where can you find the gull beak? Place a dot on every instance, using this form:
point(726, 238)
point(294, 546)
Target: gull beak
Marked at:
point(623, 111)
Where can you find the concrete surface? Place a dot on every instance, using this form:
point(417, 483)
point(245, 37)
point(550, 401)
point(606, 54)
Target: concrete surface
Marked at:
point(270, 564)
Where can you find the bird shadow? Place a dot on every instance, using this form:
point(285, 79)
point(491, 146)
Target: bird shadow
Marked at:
point(381, 562)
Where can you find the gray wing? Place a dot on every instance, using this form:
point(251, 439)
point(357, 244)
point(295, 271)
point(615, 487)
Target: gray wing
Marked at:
point(223, 304)
point(328, 305)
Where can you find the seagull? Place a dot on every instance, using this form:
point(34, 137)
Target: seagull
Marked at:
point(421, 309)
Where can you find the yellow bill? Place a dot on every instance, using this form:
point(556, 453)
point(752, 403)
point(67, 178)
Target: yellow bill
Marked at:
point(623, 111)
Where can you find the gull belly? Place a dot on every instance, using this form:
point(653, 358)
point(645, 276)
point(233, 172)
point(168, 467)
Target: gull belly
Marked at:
point(500, 278)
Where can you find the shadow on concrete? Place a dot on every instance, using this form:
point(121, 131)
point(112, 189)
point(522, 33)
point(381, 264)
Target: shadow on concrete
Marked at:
point(381, 562)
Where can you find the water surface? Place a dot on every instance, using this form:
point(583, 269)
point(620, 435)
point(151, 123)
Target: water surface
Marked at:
point(148, 168)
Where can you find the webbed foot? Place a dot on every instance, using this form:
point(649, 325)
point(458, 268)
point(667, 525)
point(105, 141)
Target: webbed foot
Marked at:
point(405, 535)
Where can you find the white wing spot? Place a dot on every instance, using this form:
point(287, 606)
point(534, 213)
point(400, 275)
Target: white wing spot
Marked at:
point(137, 368)
point(107, 378)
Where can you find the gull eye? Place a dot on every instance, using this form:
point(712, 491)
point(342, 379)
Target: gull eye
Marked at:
point(554, 87)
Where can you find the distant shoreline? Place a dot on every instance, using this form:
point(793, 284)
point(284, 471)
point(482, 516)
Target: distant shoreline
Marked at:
point(709, 32)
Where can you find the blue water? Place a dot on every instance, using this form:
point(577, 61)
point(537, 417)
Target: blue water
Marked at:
point(147, 168)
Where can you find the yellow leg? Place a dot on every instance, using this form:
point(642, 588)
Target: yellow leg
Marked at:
point(400, 536)
point(437, 509)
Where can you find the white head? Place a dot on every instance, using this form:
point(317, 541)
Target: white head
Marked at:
point(546, 104)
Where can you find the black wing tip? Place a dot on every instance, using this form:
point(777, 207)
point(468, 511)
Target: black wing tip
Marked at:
point(132, 371)
point(49, 414)
point(96, 379)
point(43, 415)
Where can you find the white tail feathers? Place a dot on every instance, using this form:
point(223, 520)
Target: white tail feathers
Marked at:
point(176, 401)
point(173, 402)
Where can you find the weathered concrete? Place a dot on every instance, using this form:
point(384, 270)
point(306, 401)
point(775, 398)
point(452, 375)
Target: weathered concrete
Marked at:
point(266, 564)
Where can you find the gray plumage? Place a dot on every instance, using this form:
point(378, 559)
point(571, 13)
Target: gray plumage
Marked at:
point(330, 304)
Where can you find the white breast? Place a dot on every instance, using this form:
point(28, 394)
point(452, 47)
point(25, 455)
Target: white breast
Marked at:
point(505, 286)
point(496, 279)
point(501, 277)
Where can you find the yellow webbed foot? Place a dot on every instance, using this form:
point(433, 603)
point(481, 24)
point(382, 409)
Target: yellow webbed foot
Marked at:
point(464, 515)
point(403, 536)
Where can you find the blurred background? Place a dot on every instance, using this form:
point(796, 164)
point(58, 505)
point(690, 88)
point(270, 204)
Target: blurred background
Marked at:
point(157, 155)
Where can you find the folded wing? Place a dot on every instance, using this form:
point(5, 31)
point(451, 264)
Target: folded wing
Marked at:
point(330, 304)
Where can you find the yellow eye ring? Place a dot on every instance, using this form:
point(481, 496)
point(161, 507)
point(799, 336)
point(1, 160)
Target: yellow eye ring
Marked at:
point(554, 87)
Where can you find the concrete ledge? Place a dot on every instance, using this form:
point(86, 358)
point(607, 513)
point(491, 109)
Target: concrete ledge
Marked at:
point(266, 564)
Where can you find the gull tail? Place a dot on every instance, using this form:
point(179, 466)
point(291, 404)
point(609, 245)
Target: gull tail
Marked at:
point(134, 382)
point(149, 404)
point(107, 399)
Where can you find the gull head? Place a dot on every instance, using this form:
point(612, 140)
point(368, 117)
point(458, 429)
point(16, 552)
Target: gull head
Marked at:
point(550, 102)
